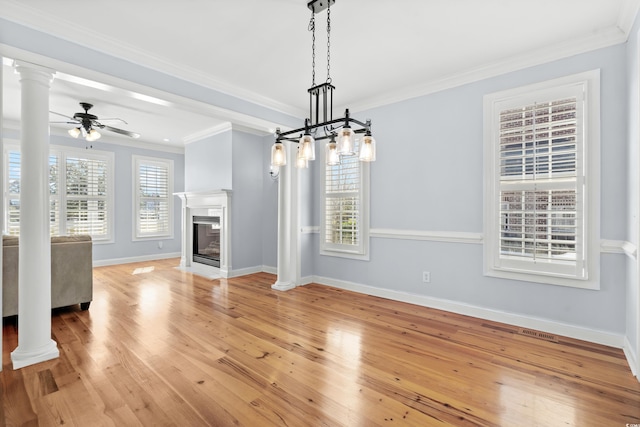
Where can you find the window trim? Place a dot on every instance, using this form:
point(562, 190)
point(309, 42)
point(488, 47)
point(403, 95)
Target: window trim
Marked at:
point(136, 160)
point(361, 252)
point(590, 178)
point(62, 152)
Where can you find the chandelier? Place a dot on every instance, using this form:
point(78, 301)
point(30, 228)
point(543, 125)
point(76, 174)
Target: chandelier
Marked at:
point(340, 132)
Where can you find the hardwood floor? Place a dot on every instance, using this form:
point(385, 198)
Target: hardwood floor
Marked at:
point(162, 347)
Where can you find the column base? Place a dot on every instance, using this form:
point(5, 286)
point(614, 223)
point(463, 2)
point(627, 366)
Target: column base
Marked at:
point(22, 358)
point(283, 286)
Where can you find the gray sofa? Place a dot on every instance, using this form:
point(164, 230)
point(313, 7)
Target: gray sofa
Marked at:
point(71, 272)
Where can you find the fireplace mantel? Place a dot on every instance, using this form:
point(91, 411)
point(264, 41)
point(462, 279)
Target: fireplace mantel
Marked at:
point(206, 203)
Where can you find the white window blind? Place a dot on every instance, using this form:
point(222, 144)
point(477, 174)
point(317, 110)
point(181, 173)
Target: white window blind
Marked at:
point(79, 192)
point(539, 224)
point(342, 208)
point(344, 227)
point(12, 211)
point(86, 201)
point(539, 195)
point(153, 191)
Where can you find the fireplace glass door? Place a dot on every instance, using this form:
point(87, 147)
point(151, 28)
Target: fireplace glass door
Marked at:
point(206, 240)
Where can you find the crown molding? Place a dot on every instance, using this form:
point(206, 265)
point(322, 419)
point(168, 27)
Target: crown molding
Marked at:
point(74, 32)
point(610, 37)
point(126, 142)
point(239, 119)
point(14, 125)
point(80, 35)
point(212, 131)
point(626, 17)
point(225, 127)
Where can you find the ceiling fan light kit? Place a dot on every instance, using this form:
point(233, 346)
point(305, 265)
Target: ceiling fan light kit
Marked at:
point(85, 124)
point(344, 129)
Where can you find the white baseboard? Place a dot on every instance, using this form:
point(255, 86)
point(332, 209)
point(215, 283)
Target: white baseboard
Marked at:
point(558, 328)
point(306, 280)
point(268, 269)
point(244, 271)
point(631, 357)
point(114, 261)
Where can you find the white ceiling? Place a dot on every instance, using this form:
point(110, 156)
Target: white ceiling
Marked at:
point(381, 51)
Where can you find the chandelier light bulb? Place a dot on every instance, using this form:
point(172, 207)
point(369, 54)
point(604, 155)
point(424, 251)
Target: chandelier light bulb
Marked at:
point(278, 155)
point(346, 141)
point(368, 149)
point(333, 158)
point(308, 147)
point(301, 161)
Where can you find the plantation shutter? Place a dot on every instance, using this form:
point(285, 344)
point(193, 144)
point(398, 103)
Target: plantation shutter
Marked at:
point(86, 201)
point(343, 184)
point(13, 194)
point(541, 190)
point(153, 198)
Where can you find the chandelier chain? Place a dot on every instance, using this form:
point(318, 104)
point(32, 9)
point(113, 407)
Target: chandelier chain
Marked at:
point(329, 43)
point(312, 28)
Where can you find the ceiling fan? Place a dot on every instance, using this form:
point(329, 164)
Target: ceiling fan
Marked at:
point(86, 124)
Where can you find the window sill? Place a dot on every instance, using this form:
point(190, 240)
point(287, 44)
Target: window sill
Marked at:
point(589, 284)
point(345, 254)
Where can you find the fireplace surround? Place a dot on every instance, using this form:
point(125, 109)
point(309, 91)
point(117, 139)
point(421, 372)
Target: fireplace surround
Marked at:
point(206, 242)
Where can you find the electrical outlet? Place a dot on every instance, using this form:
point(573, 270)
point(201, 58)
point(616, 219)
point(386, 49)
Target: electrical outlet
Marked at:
point(160, 245)
point(426, 277)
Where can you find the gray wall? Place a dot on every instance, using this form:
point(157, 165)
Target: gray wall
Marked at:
point(429, 177)
point(209, 161)
point(233, 160)
point(248, 178)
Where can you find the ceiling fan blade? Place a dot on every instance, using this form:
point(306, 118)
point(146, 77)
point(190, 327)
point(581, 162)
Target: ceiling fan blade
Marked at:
point(120, 131)
point(113, 119)
point(63, 115)
point(68, 123)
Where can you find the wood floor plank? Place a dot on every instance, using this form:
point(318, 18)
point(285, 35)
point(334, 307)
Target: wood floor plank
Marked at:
point(163, 347)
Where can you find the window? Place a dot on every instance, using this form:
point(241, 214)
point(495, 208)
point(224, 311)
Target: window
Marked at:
point(542, 174)
point(344, 228)
point(153, 194)
point(85, 199)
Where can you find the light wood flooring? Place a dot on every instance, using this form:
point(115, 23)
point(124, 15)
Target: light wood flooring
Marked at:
point(162, 347)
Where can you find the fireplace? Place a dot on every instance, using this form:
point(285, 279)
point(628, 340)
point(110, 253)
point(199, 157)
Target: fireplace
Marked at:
point(206, 240)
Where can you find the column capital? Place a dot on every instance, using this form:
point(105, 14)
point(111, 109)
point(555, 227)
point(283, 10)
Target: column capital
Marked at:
point(32, 70)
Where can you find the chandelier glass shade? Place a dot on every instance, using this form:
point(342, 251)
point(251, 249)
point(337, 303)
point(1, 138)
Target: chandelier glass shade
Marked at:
point(320, 124)
point(278, 154)
point(308, 147)
point(332, 156)
point(301, 161)
point(368, 149)
point(346, 141)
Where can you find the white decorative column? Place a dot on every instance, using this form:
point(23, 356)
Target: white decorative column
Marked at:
point(34, 295)
point(288, 229)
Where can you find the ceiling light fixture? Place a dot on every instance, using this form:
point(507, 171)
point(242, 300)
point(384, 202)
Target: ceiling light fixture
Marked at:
point(321, 106)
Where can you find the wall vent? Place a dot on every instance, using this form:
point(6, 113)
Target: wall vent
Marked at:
point(538, 334)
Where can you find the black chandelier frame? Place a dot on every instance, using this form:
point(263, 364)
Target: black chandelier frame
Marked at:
point(321, 96)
